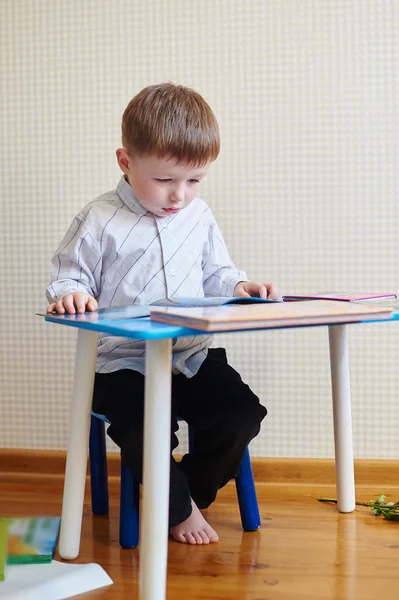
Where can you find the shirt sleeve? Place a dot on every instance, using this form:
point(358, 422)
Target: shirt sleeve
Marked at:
point(76, 265)
point(220, 275)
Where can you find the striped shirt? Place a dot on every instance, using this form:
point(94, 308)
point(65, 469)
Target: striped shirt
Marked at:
point(122, 254)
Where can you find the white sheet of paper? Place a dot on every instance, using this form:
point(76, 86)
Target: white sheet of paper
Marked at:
point(51, 581)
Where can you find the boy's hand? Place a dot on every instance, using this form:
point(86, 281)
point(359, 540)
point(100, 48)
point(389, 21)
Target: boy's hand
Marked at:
point(78, 302)
point(247, 289)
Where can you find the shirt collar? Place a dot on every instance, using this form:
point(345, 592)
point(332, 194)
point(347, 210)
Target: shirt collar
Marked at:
point(125, 193)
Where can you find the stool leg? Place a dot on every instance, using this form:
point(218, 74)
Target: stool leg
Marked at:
point(129, 509)
point(246, 493)
point(98, 468)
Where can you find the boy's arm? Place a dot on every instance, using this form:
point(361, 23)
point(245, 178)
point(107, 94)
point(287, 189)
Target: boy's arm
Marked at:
point(220, 275)
point(76, 265)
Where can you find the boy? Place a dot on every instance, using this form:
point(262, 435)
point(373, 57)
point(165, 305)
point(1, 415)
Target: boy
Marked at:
point(149, 239)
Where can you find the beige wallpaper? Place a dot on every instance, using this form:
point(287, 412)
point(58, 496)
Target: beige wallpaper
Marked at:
point(305, 190)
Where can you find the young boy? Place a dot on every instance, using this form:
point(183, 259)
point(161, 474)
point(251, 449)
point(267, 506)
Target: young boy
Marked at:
point(149, 239)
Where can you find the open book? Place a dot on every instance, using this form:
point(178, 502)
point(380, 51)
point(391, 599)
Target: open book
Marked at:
point(342, 296)
point(135, 311)
point(209, 301)
point(267, 315)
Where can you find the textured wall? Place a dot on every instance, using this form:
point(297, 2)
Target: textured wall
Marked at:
point(305, 189)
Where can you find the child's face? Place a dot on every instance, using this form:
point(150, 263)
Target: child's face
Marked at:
point(162, 186)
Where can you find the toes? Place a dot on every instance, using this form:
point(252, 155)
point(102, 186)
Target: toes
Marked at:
point(213, 536)
point(196, 535)
point(190, 538)
point(204, 537)
point(179, 537)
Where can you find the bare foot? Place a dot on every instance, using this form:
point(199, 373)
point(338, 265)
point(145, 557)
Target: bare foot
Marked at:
point(194, 530)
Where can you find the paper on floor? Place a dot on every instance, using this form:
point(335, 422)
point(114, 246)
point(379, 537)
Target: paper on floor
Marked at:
point(52, 581)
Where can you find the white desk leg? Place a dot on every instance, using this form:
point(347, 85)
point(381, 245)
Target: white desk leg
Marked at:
point(156, 466)
point(340, 384)
point(78, 444)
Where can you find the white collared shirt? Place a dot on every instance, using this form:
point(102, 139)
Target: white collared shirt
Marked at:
point(122, 254)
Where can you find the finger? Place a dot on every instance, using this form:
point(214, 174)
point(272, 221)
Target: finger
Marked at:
point(239, 289)
point(80, 301)
point(272, 291)
point(59, 307)
point(256, 290)
point(92, 304)
point(51, 308)
point(68, 304)
point(262, 291)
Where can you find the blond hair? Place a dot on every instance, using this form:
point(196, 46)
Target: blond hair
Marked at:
point(171, 121)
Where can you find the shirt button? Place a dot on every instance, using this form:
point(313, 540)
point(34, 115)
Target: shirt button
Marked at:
point(172, 272)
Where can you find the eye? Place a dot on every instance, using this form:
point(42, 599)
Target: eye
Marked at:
point(162, 180)
point(193, 180)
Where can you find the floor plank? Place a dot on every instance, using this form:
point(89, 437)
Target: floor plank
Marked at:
point(305, 550)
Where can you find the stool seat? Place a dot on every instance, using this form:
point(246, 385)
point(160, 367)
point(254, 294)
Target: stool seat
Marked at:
point(130, 487)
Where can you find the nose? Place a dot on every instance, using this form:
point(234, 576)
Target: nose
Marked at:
point(177, 194)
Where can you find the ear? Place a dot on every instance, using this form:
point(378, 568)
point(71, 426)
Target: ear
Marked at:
point(123, 160)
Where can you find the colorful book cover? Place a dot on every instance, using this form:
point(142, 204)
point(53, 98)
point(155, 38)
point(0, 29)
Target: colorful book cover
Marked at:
point(3, 547)
point(32, 539)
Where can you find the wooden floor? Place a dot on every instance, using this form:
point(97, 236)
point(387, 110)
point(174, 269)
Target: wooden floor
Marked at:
point(305, 550)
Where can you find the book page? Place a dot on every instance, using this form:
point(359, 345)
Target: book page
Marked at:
point(186, 302)
point(209, 301)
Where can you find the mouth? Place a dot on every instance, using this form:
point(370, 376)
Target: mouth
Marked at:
point(171, 211)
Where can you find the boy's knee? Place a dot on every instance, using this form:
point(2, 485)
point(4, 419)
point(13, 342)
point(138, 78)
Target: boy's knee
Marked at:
point(246, 418)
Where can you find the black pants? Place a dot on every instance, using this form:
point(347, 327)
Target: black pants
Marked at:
point(223, 411)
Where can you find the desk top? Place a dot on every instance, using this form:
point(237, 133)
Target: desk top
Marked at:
point(138, 328)
point(146, 329)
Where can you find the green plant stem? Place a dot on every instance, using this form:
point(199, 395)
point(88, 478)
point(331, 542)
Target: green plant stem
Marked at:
point(335, 501)
point(389, 511)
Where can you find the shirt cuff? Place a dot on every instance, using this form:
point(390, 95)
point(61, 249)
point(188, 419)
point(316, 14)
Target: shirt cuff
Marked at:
point(230, 285)
point(56, 292)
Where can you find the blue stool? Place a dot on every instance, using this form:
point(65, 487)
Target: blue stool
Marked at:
point(130, 488)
